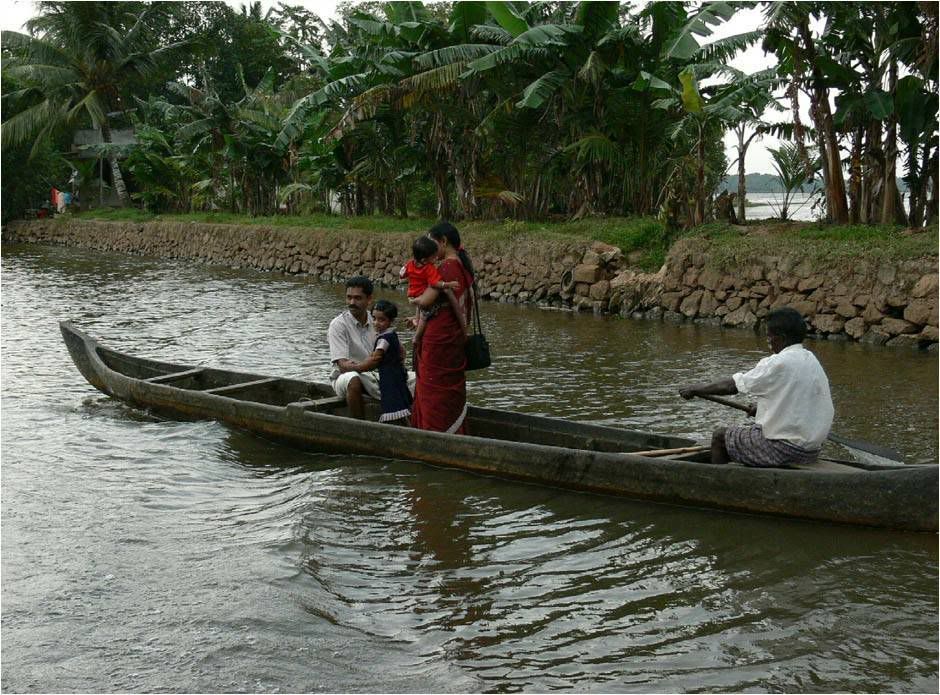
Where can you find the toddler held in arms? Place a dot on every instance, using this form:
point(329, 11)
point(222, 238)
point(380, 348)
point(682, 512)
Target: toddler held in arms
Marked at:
point(421, 274)
point(388, 357)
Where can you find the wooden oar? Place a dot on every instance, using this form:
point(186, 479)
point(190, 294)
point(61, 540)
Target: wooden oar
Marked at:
point(868, 452)
point(671, 452)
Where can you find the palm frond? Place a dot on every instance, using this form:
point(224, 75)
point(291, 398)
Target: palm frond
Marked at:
point(33, 50)
point(538, 92)
point(19, 128)
point(593, 69)
point(444, 77)
point(197, 128)
point(490, 33)
point(683, 45)
point(503, 56)
point(711, 69)
point(594, 149)
point(725, 49)
point(548, 35)
point(295, 120)
point(488, 122)
point(285, 192)
point(665, 104)
point(49, 76)
point(629, 34)
point(451, 54)
point(535, 39)
point(363, 107)
point(191, 94)
point(94, 105)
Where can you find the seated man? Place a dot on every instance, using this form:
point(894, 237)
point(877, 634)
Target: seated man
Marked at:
point(351, 337)
point(794, 408)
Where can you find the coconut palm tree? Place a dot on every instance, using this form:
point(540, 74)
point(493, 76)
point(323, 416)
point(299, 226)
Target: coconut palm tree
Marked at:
point(78, 63)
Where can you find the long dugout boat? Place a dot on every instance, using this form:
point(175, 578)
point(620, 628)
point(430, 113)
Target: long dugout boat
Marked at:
point(505, 444)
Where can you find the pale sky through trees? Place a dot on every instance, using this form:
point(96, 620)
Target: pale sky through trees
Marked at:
point(16, 12)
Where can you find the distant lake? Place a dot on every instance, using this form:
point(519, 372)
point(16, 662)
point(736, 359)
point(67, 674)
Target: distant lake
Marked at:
point(800, 206)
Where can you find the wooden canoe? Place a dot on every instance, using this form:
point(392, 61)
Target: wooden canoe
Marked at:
point(512, 445)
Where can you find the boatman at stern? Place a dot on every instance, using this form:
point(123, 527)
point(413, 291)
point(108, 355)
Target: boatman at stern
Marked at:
point(794, 408)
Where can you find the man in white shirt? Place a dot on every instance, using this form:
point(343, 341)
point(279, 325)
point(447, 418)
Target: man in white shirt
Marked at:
point(794, 407)
point(351, 337)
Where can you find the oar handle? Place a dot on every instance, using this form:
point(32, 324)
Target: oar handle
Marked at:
point(725, 401)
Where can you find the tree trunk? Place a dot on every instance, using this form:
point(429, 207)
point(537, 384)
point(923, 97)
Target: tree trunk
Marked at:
point(742, 186)
point(889, 208)
point(824, 164)
point(822, 115)
point(932, 207)
point(743, 146)
point(855, 177)
point(700, 180)
point(444, 211)
point(920, 189)
point(872, 175)
point(116, 176)
point(793, 91)
point(838, 209)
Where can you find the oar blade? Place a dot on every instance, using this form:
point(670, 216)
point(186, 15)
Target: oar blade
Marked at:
point(869, 453)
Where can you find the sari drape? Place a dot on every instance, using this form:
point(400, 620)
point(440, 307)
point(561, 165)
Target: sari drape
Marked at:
point(440, 401)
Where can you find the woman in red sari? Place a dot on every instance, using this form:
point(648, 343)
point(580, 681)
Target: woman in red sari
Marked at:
point(441, 392)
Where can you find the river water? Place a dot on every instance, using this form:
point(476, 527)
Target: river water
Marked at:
point(146, 555)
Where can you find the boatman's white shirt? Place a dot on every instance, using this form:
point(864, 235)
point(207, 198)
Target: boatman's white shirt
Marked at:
point(349, 340)
point(793, 400)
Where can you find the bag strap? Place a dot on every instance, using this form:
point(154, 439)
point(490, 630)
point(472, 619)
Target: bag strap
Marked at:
point(476, 306)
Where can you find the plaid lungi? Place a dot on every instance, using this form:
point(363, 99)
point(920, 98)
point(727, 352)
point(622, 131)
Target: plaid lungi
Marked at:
point(746, 444)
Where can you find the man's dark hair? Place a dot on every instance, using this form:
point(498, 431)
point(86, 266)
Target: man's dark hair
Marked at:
point(787, 323)
point(387, 308)
point(424, 248)
point(362, 282)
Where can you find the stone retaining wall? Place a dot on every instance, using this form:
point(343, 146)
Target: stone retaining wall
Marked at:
point(893, 304)
point(843, 299)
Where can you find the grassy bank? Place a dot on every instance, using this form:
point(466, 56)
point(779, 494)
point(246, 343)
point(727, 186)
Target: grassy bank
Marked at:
point(729, 243)
point(629, 234)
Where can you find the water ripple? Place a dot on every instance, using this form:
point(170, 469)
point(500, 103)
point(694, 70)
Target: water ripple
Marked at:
point(140, 554)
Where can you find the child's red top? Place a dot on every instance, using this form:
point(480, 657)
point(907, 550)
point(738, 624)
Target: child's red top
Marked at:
point(420, 277)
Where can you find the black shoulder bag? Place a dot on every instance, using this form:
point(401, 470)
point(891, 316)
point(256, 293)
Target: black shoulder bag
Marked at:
point(477, 348)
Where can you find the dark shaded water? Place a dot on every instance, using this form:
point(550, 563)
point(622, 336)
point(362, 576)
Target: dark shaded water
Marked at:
point(143, 555)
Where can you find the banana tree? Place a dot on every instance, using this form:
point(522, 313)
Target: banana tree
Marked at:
point(697, 124)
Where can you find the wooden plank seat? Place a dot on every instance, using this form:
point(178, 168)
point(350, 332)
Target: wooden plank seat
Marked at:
point(175, 376)
point(329, 403)
point(221, 390)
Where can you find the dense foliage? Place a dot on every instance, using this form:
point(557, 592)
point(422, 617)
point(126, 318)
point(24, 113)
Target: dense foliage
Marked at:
point(479, 110)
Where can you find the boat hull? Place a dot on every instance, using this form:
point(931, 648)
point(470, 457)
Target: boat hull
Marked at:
point(541, 450)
